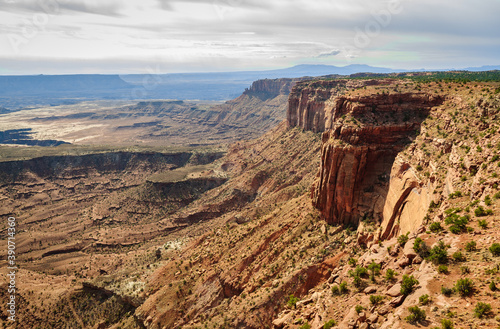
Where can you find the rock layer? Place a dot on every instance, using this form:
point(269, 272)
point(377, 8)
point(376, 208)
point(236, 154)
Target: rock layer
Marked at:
point(363, 131)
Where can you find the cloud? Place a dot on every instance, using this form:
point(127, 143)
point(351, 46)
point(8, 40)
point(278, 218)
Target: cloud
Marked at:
point(53, 7)
point(329, 54)
point(168, 4)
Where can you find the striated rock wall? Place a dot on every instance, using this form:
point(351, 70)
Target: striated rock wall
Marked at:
point(363, 132)
point(271, 87)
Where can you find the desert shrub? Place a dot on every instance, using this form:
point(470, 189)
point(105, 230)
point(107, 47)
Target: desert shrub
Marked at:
point(446, 291)
point(292, 301)
point(482, 223)
point(492, 286)
point(455, 194)
point(402, 239)
point(359, 271)
point(352, 261)
point(376, 299)
point(480, 211)
point(357, 281)
point(416, 315)
point(329, 324)
point(464, 287)
point(439, 254)
point(487, 200)
point(390, 274)
point(407, 284)
point(424, 299)
point(305, 326)
point(435, 227)
point(458, 256)
point(343, 288)
point(470, 246)
point(482, 309)
point(457, 224)
point(495, 249)
point(464, 269)
point(421, 248)
point(443, 269)
point(374, 269)
point(335, 290)
point(359, 308)
point(446, 324)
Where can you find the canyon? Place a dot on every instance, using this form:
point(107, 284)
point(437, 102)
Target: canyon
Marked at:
point(337, 175)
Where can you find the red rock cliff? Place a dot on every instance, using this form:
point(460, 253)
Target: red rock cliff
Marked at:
point(363, 130)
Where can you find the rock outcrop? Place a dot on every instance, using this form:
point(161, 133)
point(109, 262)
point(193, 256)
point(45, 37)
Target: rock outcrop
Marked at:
point(363, 131)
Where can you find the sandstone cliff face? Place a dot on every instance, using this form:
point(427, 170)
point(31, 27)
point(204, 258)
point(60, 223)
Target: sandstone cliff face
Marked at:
point(363, 131)
point(271, 87)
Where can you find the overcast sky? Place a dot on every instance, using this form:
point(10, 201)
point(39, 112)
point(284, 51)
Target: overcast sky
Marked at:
point(164, 36)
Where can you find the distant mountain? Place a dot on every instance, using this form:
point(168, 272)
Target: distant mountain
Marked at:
point(33, 91)
point(483, 68)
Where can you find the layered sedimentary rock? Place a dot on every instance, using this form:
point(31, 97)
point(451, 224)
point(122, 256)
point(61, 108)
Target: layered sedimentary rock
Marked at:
point(363, 131)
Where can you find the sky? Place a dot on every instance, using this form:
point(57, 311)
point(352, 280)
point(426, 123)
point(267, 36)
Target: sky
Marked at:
point(172, 36)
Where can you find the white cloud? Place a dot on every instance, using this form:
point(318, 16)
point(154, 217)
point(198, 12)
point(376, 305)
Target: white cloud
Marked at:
point(233, 34)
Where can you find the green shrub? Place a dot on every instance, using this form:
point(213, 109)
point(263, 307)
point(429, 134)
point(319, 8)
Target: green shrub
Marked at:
point(458, 224)
point(402, 239)
point(424, 299)
point(482, 309)
point(455, 194)
point(359, 308)
point(390, 274)
point(446, 291)
point(458, 256)
point(480, 211)
point(335, 290)
point(470, 246)
point(376, 299)
point(446, 324)
point(443, 269)
point(439, 254)
point(495, 249)
point(492, 286)
point(435, 227)
point(464, 287)
point(329, 324)
point(464, 269)
point(421, 248)
point(482, 223)
point(359, 271)
point(352, 261)
point(407, 284)
point(292, 301)
point(374, 269)
point(343, 288)
point(305, 326)
point(487, 200)
point(416, 315)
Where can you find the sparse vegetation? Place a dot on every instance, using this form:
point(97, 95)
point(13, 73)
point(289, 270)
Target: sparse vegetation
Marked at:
point(495, 249)
point(424, 299)
point(329, 324)
point(292, 301)
point(390, 274)
point(470, 246)
point(416, 315)
point(482, 310)
point(435, 227)
point(464, 287)
point(407, 284)
point(376, 299)
point(402, 239)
